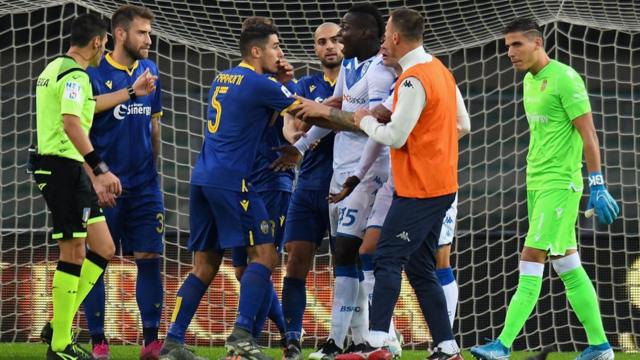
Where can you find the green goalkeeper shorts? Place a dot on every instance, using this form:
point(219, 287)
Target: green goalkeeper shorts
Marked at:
point(552, 220)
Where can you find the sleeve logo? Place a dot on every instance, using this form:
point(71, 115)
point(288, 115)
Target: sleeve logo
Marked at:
point(285, 91)
point(72, 91)
point(407, 84)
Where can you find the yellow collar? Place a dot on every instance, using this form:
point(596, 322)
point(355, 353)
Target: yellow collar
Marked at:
point(118, 66)
point(245, 65)
point(331, 82)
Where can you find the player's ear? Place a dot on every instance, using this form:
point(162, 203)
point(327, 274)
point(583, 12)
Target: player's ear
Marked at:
point(256, 51)
point(395, 37)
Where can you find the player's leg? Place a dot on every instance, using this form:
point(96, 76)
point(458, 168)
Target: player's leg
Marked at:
point(59, 181)
point(443, 264)
point(306, 224)
point(203, 242)
point(580, 291)
point(538, 242)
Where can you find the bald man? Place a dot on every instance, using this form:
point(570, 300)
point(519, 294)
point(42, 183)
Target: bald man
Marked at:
point(307, 219)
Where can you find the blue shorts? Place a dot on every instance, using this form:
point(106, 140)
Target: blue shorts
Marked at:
point(221, 219)
point(277, 203)
point(308, 217)
point(137, 222)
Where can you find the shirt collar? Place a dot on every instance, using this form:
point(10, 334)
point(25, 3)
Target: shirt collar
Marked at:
point(119, 66)
point(413, 57)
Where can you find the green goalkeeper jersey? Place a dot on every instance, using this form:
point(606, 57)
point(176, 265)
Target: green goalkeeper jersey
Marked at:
point(553, 98)
point(63, 87)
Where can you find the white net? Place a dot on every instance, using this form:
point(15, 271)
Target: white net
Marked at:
point(194, 40)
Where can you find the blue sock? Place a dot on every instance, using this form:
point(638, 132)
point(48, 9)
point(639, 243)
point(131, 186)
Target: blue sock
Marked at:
point(187, 301)
point(261, 317)
point(255, 290)
point(275, 312)
point(366, 260)
point(149, 293)
point(94, 308)
point(445, 276)
point(294, 301)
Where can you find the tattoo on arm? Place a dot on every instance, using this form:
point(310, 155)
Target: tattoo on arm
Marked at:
point(342, 118)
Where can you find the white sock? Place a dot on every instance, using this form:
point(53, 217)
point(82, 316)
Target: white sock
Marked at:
point(345, 295)
point(449, 347)
point(377, 339)
point(451, 294)
point(392, 331)
point(360, 319)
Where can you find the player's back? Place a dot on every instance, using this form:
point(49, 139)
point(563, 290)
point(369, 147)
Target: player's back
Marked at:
point(122, 135)
point(316, 168)
point(241, 102)
point(361, 84)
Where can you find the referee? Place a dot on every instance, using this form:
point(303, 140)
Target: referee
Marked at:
point(423, 136)
point(64, 112)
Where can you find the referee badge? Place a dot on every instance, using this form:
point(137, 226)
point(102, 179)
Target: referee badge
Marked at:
point(85, 215)
point(544, 85)
point(264, 227)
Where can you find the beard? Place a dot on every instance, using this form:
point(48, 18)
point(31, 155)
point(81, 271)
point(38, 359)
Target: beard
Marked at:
point(330, 64)
point(133, 53)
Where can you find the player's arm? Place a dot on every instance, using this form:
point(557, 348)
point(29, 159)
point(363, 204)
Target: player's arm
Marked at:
point(144, 85)
point(575, 101)
point(464, 121)
point(292, 154)
point(292, 128)
point(411, 101)
point(155, 135)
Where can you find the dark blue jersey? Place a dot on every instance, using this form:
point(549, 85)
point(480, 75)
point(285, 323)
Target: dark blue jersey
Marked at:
point(317, 166)
point(241, 105)
point(262, 178)
point(122, 135)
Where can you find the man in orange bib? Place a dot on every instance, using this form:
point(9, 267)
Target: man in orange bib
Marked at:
point(423, 136)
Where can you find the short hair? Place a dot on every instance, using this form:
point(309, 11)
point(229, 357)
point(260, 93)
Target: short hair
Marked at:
point(369, 11)
point(86, 27)
point(523, 24)
point(127, 13)
point(409, 23)
point(253, 20)
point(255, 34)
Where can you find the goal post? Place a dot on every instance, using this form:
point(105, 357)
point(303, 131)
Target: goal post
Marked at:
point(192, 41)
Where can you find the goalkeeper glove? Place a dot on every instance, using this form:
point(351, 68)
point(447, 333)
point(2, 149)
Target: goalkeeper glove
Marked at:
point(600, 201)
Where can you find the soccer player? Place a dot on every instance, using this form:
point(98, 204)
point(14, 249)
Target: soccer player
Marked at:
point(225, 211)
point(307, 220)
point(410, 232)
point(127, 136)
point(363, 83)
point(64, 111)
point(559, 114)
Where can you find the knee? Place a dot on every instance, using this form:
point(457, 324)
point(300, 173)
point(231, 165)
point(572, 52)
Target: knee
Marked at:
point(298, 265)
point(206, 266)
point(346, 252)
point(264, 254)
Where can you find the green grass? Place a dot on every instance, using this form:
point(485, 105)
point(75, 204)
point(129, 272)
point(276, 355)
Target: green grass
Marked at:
point(22, 351)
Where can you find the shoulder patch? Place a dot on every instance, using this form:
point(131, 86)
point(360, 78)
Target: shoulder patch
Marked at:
point(407, 84)
point(72, 91)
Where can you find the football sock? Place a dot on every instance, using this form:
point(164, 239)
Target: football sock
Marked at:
point(149, 294)
point(187, 301)
point(63, 292)
point(294, 301)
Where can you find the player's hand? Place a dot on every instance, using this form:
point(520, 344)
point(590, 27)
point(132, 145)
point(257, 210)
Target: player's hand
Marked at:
point(145, 84)
point(359, 115)
point(309, 109)
point(289, 158)
point(347, 188)
point(105, 197)
point(110, 182)
point(600, 202)
point(333, 101)
point(285, 71)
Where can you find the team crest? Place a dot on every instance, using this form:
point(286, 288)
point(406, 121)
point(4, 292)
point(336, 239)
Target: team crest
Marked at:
point(544, 85)
point(109, 84)
point(264, 227)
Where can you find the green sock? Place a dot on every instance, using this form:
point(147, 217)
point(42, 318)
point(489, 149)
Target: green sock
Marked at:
point(92, 267)
point(63, 293)
point(584, 301)
point(520, 307)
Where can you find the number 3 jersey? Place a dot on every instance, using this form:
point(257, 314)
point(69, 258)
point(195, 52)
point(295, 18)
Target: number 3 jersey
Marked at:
point(241, 104)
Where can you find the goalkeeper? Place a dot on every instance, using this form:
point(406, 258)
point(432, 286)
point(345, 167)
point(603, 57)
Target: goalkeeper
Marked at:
point(559, 115)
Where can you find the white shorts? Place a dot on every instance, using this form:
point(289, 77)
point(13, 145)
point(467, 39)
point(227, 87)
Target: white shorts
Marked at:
point(349, 216)
point(381, 205)
point(449, 224)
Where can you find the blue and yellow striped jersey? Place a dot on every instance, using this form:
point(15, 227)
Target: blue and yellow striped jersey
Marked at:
point(241, 104)
point(317, 166)
point(122, 135)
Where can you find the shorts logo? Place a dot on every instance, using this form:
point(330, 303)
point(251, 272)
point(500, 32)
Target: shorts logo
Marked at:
point(282, 217)
point(41, 186)
point(85, 215)
point(244, 204)
point(264, 227)
point(160, 227)
point(404, 236)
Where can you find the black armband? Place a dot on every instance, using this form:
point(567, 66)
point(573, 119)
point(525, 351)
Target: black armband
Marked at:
point(132, 93)
point(96, 163)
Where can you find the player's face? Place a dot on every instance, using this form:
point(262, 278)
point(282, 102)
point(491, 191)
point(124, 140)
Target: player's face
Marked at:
point(271, 55)
point(388, 46)
point(350, 35)
point(137, 39)
point(328, 48)
point(522, 49)
point(100, 43)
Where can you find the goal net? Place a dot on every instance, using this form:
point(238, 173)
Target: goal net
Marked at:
point(194, 40)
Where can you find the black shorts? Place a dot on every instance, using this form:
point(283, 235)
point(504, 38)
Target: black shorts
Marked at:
point(68, 192)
